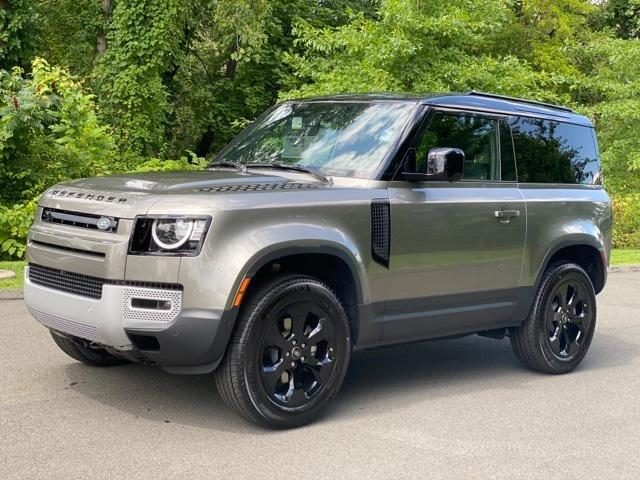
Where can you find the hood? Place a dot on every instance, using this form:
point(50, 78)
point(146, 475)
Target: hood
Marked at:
point(129, 195)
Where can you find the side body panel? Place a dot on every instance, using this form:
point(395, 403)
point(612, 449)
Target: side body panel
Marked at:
point(455, 267)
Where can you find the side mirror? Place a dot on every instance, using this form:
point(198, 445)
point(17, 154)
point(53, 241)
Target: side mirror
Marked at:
point(445, 163)
point(442, 164)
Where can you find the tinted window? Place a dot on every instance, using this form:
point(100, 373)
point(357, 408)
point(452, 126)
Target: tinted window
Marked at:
point(476, 136)
point(554, 152)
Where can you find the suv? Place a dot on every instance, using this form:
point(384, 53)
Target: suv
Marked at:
point(330, 225)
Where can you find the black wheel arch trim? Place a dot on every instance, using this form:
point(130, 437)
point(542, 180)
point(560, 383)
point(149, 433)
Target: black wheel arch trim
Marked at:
point(263, 258)
point(583, 241)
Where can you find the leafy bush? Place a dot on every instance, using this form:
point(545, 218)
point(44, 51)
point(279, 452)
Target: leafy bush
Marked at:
point(49, 132)
point(626, 230)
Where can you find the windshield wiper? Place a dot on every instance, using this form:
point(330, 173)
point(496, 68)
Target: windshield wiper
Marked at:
point(238, 166)
point(293, 168)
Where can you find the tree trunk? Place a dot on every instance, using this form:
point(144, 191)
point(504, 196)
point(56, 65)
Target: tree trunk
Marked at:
point(102, 36)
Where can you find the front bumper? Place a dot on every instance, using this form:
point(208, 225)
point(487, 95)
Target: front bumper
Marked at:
point(187, 340)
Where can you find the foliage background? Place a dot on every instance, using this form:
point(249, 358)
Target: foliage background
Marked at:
point(92, 87)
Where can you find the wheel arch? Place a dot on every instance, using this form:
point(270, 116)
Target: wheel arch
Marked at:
point(330, 263)
point(583, 250)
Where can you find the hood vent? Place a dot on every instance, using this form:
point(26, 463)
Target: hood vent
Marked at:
point(258, 187)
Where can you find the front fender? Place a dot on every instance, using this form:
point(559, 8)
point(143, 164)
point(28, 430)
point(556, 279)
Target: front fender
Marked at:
point(240, 252)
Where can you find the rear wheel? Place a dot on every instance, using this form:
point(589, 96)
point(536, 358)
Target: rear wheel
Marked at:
point(85, 352)
point(289, 353)
point(557, 334)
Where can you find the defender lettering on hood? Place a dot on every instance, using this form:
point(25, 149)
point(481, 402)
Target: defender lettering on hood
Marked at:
point(86, 196)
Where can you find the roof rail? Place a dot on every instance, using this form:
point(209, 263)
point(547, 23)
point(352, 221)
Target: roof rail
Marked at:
point(521, 100)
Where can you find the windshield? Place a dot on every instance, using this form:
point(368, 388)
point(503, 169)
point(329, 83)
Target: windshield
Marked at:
point(340, 138)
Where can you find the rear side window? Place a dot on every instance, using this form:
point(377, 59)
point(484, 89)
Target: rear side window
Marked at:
point(554, 152)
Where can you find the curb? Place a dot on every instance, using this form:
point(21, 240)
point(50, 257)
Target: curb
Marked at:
point(11, 295)
point(625, 269)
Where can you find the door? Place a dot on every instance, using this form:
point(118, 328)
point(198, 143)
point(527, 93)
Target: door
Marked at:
point(456, 248)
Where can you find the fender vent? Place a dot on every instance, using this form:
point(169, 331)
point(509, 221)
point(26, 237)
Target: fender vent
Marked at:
point(380, 231)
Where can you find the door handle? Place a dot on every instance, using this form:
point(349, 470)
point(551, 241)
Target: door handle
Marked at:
point(505, 216)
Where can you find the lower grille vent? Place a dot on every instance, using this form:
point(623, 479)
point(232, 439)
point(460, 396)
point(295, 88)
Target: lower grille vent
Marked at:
point(83, 285)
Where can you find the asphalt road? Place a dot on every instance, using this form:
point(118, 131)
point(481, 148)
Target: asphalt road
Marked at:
point(448, 409)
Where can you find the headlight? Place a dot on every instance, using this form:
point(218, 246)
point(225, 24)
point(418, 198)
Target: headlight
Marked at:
point(168, 235)
point(171, 233)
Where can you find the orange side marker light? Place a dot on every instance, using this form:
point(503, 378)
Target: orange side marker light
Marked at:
point(237, 301)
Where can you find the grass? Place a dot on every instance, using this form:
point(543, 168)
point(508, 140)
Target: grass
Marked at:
point(625, 256)
point(618, 257)
point(14, 283)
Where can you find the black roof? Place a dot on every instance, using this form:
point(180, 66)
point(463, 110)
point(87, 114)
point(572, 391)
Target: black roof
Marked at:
point(470, 101)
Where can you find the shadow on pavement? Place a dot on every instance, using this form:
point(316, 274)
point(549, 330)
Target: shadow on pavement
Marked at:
point(378, 381)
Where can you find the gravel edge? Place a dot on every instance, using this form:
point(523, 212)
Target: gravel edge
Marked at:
point(11, 295)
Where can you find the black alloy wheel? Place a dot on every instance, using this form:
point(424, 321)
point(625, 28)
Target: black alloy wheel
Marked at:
point(557, 334)
point(297, 353)
point(569, 317)
point(289, 352)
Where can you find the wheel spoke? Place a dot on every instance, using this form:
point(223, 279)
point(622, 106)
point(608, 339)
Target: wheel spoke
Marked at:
point(563, 293)
point(299, 313)
point(573, 299)
point(273, 374)
point(274, 337)
point(321, 370)
point(555, 340)
point(288, 395)
point(298, 397)
point(323, 331)
point(567, 342)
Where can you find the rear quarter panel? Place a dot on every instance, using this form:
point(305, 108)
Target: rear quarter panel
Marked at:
point(563, 215)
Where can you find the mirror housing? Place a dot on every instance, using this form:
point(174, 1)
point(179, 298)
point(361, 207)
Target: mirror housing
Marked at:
point(442, 164)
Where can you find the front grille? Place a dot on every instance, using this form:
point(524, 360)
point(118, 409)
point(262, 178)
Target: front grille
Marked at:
point(83, 285)
point(258, 187)
point(81, 220)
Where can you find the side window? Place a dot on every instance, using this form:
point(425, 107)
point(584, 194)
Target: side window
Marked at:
point(476, 136)
point(554, 152)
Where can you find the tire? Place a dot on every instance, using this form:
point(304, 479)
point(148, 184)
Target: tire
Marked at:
point(557, 334)
point(288, 355)
point(80, 350)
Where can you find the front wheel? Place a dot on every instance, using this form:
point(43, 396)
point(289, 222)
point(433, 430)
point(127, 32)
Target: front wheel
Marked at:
point(557, 334)
point(289, 353)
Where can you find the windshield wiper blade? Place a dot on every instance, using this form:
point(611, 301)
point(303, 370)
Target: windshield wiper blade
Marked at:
point(293, 168)
point(238, 166)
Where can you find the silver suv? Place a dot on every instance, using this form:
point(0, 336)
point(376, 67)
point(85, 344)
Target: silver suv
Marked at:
point(331, 225)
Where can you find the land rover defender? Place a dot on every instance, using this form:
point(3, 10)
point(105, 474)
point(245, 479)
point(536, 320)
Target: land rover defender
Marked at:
point(331, 225)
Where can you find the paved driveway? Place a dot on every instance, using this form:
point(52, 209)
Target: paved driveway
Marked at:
point(448, 409)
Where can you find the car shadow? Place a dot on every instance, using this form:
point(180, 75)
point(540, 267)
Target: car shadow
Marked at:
point(378, 381)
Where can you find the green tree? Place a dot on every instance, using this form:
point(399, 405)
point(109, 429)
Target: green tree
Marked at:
point(143, 45)
point(17, 28)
